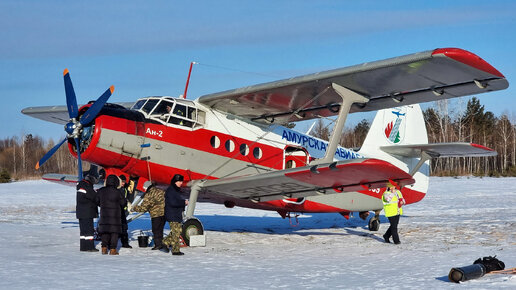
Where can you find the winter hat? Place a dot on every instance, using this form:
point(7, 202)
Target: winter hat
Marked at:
point(176, 178)
point(146, 185)
point(112, 180)
point(91, 178)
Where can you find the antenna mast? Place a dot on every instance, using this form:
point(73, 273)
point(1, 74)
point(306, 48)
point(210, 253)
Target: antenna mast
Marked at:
point(188, 79)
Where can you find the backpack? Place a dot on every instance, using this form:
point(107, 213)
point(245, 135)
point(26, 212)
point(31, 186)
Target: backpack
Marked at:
point(491, 263)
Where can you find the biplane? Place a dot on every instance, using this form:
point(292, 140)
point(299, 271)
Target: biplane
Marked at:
point(235, 147)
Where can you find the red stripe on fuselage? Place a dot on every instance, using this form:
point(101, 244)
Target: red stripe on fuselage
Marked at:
point(410, 195)
point(198, 139)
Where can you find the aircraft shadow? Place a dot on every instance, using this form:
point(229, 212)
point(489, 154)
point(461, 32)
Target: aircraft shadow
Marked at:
point(308, 225)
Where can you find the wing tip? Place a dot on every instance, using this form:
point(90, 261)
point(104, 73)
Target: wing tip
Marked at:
point(65, 72)
point(112, 89)
point(468, 58)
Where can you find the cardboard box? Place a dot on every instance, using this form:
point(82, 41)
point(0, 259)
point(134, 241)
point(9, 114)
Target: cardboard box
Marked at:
point(198, 241)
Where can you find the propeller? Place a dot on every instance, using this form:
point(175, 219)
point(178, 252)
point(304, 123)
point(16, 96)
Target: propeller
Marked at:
point(74, 127)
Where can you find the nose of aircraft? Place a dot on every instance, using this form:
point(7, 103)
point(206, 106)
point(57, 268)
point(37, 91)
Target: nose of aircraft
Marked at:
point(74, 125)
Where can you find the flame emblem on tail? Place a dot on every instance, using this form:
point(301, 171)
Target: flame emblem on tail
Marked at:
point(392, 130)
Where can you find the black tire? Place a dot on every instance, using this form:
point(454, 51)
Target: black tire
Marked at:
point(191, 227)
point(374, 224)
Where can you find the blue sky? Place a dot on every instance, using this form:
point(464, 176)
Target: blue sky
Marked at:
point(145, 47)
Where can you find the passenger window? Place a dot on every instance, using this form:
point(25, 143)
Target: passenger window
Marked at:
point(244, 149)
point(257, 153)
point(230, 145)
point(215, 142)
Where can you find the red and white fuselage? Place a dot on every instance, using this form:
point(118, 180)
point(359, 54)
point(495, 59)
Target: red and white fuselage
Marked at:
point(200, 143)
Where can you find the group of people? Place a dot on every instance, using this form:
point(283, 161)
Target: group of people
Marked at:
point(114, 200)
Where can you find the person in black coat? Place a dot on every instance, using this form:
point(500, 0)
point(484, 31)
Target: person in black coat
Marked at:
point(124, 236)
point(174, 207)
point(86, 210)
point(110, 225)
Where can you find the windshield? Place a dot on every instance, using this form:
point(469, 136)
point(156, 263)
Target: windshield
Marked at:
point(172, 111)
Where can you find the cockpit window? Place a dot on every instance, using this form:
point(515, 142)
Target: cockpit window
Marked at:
point(149, 105)
point(172, 111)
point(138, 105)
point(180, 110)
point(164, 107)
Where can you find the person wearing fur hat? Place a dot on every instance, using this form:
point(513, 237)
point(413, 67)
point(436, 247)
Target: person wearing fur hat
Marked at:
point(174, 207)
point(110, 224)
point(392, 205)
point(154, 203)
point(86, 210)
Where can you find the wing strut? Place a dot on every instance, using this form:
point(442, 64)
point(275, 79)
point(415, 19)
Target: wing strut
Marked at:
point(349, 97)
point(424, 157)
point(192, 201)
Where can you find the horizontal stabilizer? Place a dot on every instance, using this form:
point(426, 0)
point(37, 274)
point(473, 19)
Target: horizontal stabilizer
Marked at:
point(439, 150)
point(341, 176)
point(65, 179)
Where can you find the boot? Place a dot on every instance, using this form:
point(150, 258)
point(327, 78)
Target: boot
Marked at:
point(104, 250)
point(113, 252)
point(386, 238)
point(178, 253)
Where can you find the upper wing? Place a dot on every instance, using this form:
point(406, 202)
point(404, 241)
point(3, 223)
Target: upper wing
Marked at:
point(348, 175)
point(57, 114)
point(456, 149)
point(416, 78)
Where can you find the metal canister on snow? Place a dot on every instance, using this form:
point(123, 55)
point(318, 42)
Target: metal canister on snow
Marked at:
point(467, 273)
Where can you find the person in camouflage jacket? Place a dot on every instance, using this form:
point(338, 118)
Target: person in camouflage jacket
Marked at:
point(154, 203)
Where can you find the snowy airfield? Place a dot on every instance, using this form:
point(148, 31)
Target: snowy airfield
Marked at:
point(459, 221)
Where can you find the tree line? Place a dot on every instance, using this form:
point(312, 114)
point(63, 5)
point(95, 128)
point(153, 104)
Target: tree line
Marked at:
point(446, 121)
point(19, 156)
point(455, 121)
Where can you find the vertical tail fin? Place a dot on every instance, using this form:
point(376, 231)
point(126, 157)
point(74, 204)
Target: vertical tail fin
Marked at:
point(398, 126)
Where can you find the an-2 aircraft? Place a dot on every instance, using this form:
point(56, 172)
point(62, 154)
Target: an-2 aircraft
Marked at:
point(233, 147)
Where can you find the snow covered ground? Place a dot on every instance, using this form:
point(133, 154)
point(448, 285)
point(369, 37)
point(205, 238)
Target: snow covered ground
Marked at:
point(459, 221)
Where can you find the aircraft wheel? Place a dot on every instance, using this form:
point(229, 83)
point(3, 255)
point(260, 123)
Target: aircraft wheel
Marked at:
point(191, 227)
point(374, 224)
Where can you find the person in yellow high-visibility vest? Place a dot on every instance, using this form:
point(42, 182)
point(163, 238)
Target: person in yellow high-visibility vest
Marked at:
point(392, 205)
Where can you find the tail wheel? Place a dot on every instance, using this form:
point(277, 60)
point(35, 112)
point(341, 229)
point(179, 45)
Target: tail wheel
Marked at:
point(374, 224)
point(191, 227)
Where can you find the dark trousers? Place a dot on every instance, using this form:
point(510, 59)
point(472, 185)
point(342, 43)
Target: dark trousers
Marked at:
point(393, 228)
point(86, 231)
point(124, 236)
point(110, 240)
point(158, 223)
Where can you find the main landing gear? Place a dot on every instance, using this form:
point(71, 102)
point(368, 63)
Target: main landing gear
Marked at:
point(374, 222)
point(191, 225)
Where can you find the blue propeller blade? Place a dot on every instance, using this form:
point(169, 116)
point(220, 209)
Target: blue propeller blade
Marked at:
point(79, 157)
point(49, 154)
point(96, 107)
point(71, 100)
